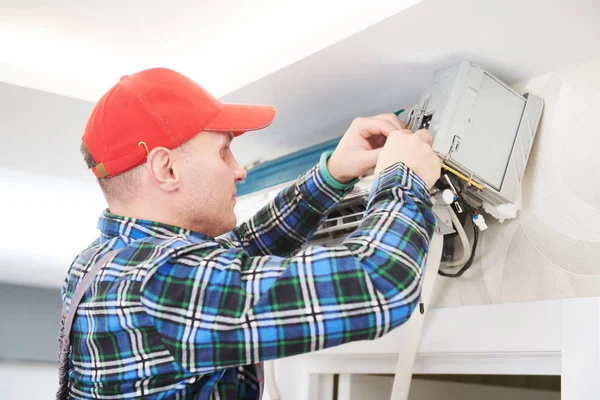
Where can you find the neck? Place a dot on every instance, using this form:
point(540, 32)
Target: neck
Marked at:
point(151, 212)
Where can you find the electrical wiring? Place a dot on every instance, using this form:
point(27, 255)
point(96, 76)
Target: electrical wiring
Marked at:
point(461, 176)
point(469, 262)
point(461, 233)
point(456, 182)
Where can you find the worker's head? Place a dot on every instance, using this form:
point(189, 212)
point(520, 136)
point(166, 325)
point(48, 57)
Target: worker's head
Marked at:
point(159, 145)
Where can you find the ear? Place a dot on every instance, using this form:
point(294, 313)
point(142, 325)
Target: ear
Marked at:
point(160, 165)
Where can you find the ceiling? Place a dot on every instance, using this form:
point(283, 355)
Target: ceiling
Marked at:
point(324, 65)
point(80, 48)
point(387, 66)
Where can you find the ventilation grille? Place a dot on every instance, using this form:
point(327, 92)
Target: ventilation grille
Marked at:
point(342, 220)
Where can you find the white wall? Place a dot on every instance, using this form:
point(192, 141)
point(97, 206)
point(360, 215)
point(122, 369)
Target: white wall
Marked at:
point(30, 322)
point(28, 380)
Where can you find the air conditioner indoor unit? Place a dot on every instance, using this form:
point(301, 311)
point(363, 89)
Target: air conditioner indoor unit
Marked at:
point(482, 131)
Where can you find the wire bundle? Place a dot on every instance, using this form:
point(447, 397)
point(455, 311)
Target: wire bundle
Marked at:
point(469, 250)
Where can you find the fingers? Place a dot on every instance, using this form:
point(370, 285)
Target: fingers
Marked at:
point(393, 119)
point(397, 133)
point(376, 141)
point(425, 136)
point(381, 124)
point(368, 127)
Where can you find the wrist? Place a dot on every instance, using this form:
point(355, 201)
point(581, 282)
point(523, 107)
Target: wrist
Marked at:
point(331, 173)
point(334, 171)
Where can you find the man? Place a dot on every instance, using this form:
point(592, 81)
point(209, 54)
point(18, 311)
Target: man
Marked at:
point(191, 305)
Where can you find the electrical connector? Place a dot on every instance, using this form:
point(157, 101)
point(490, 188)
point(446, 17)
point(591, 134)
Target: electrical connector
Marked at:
point(480, 222)
point(448, 197)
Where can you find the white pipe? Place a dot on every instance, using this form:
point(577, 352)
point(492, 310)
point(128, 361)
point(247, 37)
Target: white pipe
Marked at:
point(270, 382)
point(414, 326)
point(464, 240)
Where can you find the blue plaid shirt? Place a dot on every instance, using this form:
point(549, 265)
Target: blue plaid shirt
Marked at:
point(180, 315)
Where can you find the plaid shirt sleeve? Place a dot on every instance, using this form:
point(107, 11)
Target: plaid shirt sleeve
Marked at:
point(219, 307)
point(283, 226)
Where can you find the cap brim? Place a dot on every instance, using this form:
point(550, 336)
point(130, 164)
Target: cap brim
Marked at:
point(240, 118)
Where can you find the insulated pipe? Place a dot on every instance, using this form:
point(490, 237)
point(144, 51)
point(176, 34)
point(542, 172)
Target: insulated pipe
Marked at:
point(270, 382)
point(414, 326)
point(463, 239)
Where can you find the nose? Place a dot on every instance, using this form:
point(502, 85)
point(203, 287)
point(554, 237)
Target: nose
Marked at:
point(239, 173)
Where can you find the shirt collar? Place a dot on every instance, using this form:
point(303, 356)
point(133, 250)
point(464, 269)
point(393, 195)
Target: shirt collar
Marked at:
point(112, 225)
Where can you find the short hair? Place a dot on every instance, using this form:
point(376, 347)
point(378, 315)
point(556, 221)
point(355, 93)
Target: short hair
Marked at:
point(119, 187)
point(122, 186)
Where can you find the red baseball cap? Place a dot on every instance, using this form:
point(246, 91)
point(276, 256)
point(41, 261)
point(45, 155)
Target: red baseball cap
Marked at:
point(159, 108)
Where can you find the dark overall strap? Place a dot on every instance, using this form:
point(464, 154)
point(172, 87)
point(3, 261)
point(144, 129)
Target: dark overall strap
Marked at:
point(64, 341)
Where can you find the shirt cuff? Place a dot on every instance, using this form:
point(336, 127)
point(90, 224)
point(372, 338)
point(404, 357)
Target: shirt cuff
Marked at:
point(400, 175)
point(330, 180)
point(320, 195)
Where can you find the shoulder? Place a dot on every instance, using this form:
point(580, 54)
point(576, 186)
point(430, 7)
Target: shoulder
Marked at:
point(194, 264)
point(135, 258)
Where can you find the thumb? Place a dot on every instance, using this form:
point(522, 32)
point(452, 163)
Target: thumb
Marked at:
point(425, 136)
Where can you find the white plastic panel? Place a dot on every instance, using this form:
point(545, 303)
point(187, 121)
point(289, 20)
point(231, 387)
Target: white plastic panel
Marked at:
point(485, 147)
